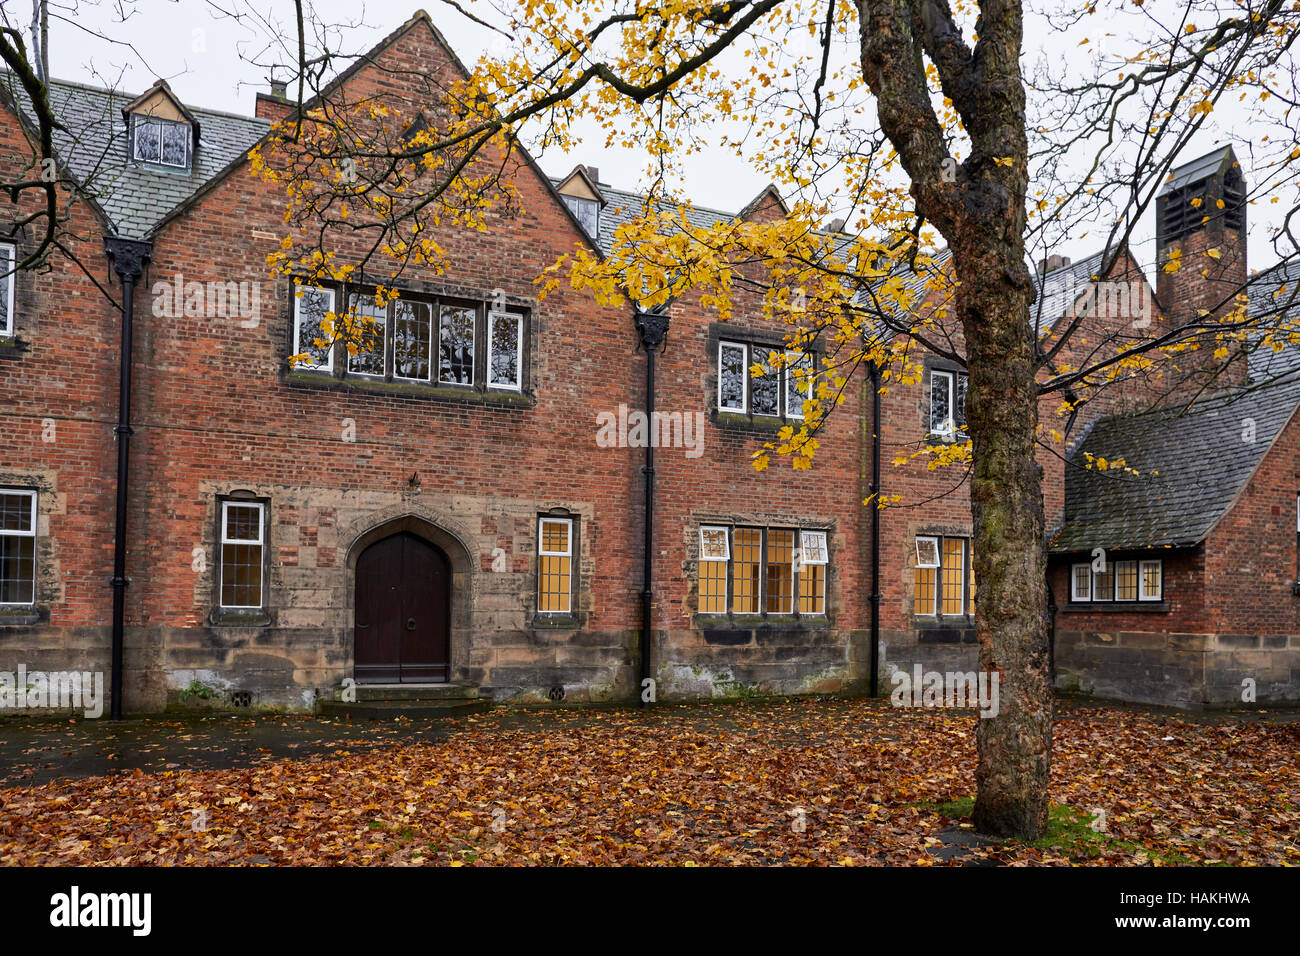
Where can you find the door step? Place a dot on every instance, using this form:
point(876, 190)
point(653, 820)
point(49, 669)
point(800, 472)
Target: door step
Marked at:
point(376, 692)
point(407, 707)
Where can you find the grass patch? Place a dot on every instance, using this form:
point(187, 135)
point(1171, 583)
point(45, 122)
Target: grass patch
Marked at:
point(1070, 831)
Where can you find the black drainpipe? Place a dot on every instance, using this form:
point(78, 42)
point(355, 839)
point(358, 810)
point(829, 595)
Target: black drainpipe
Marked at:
point(1047, 581)
point(653, 329)
point(127, 258)
point(875, 529)
point(1051, 633)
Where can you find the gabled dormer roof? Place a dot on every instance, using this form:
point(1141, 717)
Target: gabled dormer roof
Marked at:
point(159, 102)
point(769, 193)
point(92, 145)
point(580, 184)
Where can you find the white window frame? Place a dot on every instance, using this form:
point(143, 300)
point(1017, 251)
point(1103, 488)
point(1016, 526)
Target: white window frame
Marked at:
point(822, 546)
point(518, 384)
point(965, 595)
point(744, 377)
point(595, 205)
point(1114, 567)
point(221, 552)
point(726, 575)
point(801, 560)
point(1074, 580)
point(761, 590)
point(1142, 579)
point(726, 542)
point(366, 300)
point(143, 121)
point(10, 250)
point(297, 327)
point(934, 591)
point(544, 553)
point(433, 340)
point(1110, 569)
point(35, 516)
point(788, 380)
point(950, 431)
point(568, 523)
point(438, 380)
point(768, 373)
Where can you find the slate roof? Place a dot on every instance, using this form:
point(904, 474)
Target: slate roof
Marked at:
point(1198, 169)
point(1059, 289)
point(134, 196)
point(1192, 465)
point(621, 205)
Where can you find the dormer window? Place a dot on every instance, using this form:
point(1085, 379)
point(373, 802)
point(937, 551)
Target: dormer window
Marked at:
point(580, 191)
point(587, 212)
point(160, 141)
point(161, 131)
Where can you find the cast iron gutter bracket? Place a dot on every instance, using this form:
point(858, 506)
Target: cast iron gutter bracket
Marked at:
point(653, 329)
point(127, 257)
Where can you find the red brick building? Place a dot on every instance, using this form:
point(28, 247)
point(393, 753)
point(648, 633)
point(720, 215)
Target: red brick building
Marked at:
point(463, 508)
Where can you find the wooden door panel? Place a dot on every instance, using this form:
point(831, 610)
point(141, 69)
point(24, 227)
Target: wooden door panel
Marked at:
point(403, 601)
point(424, 610)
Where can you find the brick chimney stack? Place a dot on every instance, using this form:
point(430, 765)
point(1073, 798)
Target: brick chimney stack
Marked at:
point(1203, 208)
point(273, 106)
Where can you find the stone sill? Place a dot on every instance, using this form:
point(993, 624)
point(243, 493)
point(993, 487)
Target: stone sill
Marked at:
point(231, 618)
point(12, 347)
point(956, 438)
point(19, 616)
point(415, 390)
point(755, 622)
point(755, 423)
point(556, 622)
point(1119, 607)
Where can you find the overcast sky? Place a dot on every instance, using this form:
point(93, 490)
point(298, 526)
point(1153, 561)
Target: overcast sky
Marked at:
point(205, 59)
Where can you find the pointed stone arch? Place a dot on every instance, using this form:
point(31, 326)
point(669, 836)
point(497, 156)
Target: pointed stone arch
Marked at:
point(444, 535)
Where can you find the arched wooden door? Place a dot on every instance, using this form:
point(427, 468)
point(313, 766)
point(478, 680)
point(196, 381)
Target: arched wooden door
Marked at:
point(403, 600)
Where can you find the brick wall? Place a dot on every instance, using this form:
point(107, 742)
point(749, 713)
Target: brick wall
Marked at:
point(217, 411)
point(58, 387)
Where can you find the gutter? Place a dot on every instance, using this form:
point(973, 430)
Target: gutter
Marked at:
point(127, 257)
point(653, 329)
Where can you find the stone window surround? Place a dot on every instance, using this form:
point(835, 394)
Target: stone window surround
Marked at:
point(241, 617)
point(932, 364)
point(932, 622)
point(38, 612)
point(571, 618)
point(719, 332)
point(730, 620)
point(484, 303)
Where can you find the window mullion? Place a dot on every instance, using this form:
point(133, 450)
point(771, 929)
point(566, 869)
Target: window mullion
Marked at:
point(481, 347)
point(938, 581)
point(731, 560)
point(390, 343)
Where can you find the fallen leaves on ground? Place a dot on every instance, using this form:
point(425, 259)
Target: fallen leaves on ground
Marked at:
point(847, 782)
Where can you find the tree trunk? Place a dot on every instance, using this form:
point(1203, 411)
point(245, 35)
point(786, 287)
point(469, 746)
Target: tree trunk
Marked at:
point(1008, 553)
point(979, 207)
